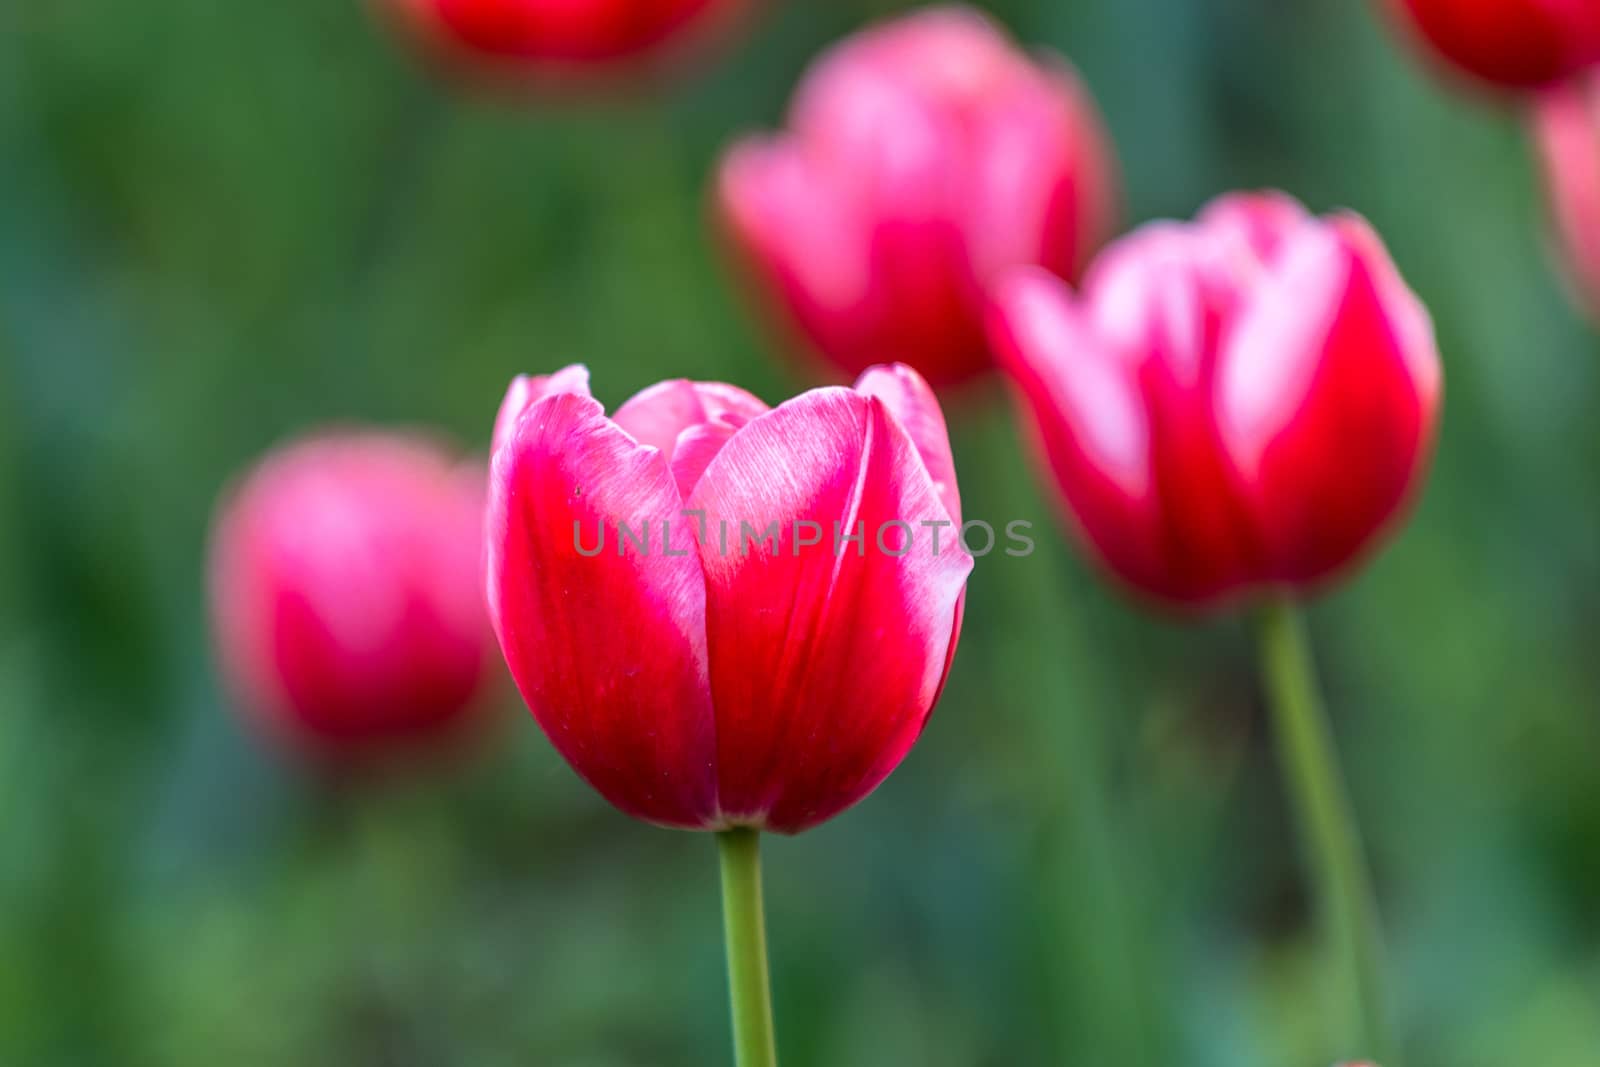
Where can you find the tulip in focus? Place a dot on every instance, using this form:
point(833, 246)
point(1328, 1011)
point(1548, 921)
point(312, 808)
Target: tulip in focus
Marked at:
point(1512, 44)
point(542, 36)
point(1567, 129)
point(347, 593)
point(1239, 403)
point(698, 668)
point(922, 157)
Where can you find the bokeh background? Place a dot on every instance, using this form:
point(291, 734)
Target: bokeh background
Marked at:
point(224, 223)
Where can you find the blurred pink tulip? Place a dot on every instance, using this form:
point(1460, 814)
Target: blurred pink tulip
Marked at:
point(723, 673)
point(1567, 128)
point(923, 156)
point(1513, 44)
point(347, 593)
point(1241, 402)
point(571, 36)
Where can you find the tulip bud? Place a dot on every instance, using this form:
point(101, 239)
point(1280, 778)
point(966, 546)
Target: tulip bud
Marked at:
point(1515, 44)
point(1240, 402)
point(923, 156)
point(347, 593)
point(724, 615)
point(558, 36)
point(1567, 131)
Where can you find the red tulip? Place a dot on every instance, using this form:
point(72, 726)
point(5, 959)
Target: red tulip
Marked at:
point(719, 672)
point(1517, 44)
point(347, 592)
point(542, 35)
point(1567, 125)
point(923, 156)
point(1231, 404)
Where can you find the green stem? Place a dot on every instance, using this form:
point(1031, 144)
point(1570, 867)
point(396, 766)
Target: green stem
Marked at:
point(745, 928)
point(1328, 829)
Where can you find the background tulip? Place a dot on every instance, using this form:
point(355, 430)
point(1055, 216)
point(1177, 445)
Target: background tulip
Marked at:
point(1516, 44)
point(708, 683)
point(922, 156)
point(558, 34)
point(1242, 405)
point(346, 581)
point(1241, 402)
point(1567, 128)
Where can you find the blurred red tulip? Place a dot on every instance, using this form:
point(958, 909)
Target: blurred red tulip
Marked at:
point(1240, 402)
point(1567, 128)
point(347, 592)
point(922, 157)
point(1517, 44)
point(559, 35)
point(739, 666)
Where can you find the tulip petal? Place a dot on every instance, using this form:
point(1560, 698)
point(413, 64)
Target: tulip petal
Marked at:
point(784, 216)
point(658, 415)
point(1566, 123)
point(697, 447)
point(1326, 395)
point(1087, 417)
point(911, 400)
point(608, 649)
point(525, 390)
point(824, 664)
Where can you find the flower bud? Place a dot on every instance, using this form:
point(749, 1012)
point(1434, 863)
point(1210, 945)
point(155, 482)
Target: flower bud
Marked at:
point(347, 593)
point(1240, 402)
point(923, 157)
point(724, 615)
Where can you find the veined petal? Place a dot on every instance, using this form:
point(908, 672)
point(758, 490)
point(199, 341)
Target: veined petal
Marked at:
point(608, 647)
point(824, 664)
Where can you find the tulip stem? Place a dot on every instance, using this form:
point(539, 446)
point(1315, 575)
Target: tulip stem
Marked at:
point(1328, 829)
point(745, 928)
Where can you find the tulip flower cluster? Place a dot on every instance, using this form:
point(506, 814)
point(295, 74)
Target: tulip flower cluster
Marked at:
point(726, 616)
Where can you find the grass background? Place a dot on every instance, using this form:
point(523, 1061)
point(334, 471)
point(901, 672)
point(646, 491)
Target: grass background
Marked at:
point(221, 224)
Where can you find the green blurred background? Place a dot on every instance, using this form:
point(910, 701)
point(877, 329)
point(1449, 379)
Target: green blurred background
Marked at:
point(222, 223)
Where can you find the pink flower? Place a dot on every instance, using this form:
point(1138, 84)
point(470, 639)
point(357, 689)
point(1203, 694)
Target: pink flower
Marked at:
point(1567, 129)
point(346, 590)
point(923, 156)
point(1515, 44)
point(1240, 402)
point(540, 36)
point(739, 666)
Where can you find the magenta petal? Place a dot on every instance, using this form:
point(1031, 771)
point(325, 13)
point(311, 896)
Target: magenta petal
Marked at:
point(1326, 398)
point(1566, 125)
point(1087, 417)
point(525, 390)
point(824, 665)
point(607, 649)
point(657, 416)
point(911, 401)
point(697, 447)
